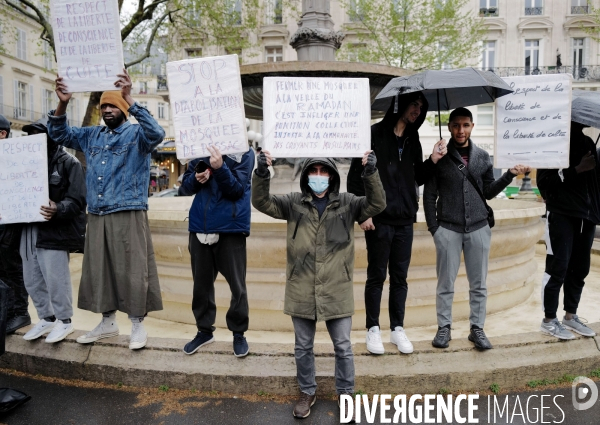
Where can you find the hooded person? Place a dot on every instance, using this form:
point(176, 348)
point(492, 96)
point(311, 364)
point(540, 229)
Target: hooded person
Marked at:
point(320, 260)
point(45, 246)
point(389, 235)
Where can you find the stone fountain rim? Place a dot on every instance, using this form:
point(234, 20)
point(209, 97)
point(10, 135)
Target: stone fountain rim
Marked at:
point(330, 67)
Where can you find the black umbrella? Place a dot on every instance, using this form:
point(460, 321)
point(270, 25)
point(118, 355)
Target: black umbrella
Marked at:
point(445, 89)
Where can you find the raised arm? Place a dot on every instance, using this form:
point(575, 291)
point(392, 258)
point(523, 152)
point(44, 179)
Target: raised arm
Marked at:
point(374, 200)
point(232, 180)
point(262, 200)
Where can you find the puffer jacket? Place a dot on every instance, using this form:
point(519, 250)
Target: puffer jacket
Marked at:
point(320, 251)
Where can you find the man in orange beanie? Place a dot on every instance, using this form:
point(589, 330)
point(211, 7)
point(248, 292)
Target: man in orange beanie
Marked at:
point(119, 269)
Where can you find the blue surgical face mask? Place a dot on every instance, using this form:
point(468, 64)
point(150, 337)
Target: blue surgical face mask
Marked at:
point(318, 184)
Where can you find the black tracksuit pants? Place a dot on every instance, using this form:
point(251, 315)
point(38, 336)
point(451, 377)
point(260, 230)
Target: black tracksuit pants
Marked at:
point(390, 247)
point(11, 273)
point(228, 257)
point(568, 246)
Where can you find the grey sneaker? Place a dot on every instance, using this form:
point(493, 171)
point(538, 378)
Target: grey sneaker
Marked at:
point(555, 328)
point(576, 325)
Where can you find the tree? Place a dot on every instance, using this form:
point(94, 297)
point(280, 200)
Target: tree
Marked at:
point(416, 34)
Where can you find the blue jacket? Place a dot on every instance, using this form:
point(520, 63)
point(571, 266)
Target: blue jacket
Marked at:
point(118, 161)
point(222, 204)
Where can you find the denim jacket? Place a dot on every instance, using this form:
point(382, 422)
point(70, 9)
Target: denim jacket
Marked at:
point(118, 161)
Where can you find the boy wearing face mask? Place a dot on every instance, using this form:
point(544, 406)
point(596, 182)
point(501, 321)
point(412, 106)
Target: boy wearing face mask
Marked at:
point(320, 260)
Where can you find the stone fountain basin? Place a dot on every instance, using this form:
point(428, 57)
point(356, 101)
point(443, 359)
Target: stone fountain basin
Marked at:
point(510, 279)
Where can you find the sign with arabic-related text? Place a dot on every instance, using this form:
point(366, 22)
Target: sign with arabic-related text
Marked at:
point(23, 179)
point(533, 123)
point(207, 106)
point(308, 117)
point(87, 40)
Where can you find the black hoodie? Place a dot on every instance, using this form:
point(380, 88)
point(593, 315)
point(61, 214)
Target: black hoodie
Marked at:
point(400, 178)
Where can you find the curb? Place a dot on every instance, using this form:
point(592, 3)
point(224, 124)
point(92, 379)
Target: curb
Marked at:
point(270, 368)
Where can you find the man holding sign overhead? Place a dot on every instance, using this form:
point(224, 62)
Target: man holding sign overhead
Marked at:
point(119, 269)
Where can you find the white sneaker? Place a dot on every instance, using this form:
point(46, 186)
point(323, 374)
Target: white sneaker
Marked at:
point(42, 327)
point(374, 344)
point(108, 327)
point(60, 331)
point(399, 338)
point(139, 336)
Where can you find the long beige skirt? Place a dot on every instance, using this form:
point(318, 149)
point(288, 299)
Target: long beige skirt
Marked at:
point(119, 269)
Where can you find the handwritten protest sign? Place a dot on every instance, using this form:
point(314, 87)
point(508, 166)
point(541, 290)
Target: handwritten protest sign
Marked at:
point(312, 117)
point(533, 123)
point(87, 40)
point(23, 179)
point(207, 106)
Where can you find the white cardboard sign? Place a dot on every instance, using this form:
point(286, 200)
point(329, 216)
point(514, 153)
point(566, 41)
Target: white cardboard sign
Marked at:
point(207, 106)
point(23, 179)
point(316, 117)
point(533, 123)
point(87, 40)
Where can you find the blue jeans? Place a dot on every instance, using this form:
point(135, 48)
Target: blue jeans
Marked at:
point(339, 331)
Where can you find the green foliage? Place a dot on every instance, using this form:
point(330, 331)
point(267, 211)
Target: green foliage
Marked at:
point(119, 384)
point(595, 373)
point(592, 31)
point(495, 388)
point(416, 34)
point(444, 391)
point(544, 382)
point(262, 393)
point(163, 388)
point(359, 392)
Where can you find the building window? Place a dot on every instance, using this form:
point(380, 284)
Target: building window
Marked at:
point(48, 101)
point(443, 49)
point(48, 56)
point(143, 87)
point(162, 111)
point(73, 113)
point(194, 53)
point(488, 55)
point(274, 54)
point(354, 11)
point(488, 7)
point(534, 7)
point(20, 100)
point(274, 12)
point(21, 44)
point(579, 7)
point(234, 13)
point(532, 57)
point(578, 47)
point(485, 115)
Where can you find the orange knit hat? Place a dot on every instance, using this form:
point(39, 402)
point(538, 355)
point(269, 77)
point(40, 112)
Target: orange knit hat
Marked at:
point(115, 98)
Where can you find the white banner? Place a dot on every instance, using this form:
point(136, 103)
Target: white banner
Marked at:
point(533, 123)
point(316, 117)
point(207, 106)
point(23, 179)
point(87, 40)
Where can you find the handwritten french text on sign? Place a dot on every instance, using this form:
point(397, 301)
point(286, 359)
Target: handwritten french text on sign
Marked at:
point(533, 123)
point(313, 117)
point(207, 106)
point(23, 179)
point(87, 40)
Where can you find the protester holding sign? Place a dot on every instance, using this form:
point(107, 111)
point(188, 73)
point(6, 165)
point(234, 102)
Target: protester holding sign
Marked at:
point(459, 220)
point(320, 260)
point(219, 226)
point(119, 268)
point(45, 247)
point(389, 235)
point(11, 267)
point(572, 198)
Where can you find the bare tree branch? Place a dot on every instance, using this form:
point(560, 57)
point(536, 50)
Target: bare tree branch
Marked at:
point(150, 40)
point(39, 17)
point(141, 14)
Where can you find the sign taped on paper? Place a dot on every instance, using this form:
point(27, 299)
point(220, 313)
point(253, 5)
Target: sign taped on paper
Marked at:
point(23, 179)
point(207, 106)
point(533, 123)
point(87, 40)
point(316, 117)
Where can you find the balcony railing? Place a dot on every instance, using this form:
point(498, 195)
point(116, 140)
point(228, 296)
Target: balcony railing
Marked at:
point(579, 73)
point(27, 115)
point(161, 83)
point(579, 10)
point(492, 11)
point(534, 11)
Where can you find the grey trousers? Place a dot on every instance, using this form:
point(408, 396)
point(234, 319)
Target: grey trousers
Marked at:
point(47, 277)
point(339, 331)
point(476, 248)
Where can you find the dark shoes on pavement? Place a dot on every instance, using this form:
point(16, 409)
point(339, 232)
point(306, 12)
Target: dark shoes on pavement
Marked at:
point(477, 336)
point(442, 337)
point(240, 345)
point(17, 322)
point(199, 340)
point(303, 405)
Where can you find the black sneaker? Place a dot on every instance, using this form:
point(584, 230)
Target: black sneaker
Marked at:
point(477, 336)
point(199, 340)
point(17, 322)
point(442, 337)
point(240, 345)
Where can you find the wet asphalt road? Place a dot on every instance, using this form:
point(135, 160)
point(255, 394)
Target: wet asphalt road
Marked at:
point(54, 403)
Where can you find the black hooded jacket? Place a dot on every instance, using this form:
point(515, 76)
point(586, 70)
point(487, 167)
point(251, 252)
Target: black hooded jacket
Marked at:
point(400, 178)
point(573, 195)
